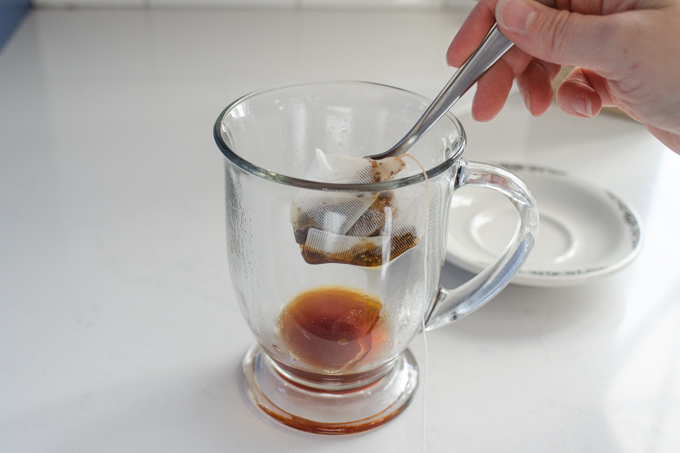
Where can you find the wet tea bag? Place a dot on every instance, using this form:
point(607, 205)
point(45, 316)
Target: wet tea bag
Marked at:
point(357, 228)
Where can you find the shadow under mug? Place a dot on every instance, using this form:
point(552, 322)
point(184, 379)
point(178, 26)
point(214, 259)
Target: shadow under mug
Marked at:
point(331, 354)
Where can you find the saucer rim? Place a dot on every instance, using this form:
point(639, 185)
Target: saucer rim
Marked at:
point(567, 277)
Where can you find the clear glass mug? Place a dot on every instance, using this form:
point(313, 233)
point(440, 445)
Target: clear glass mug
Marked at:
point(331, 354)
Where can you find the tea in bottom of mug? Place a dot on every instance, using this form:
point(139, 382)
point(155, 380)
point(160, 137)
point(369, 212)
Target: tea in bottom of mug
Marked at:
point(331, 328)
point(337, 382)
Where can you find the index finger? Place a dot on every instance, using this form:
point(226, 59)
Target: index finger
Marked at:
point(477, 25)
point(472, 32)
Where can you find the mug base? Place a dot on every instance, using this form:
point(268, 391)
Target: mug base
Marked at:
point(327, 412)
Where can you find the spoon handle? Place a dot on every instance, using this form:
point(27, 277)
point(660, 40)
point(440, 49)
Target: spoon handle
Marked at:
point(489, 51)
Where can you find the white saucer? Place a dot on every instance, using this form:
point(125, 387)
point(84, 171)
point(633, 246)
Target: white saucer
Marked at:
point(585, 232)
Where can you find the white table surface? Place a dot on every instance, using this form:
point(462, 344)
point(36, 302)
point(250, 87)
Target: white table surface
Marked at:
point(119, 331)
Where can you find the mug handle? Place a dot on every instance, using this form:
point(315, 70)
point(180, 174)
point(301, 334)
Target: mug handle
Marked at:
point(453, 304)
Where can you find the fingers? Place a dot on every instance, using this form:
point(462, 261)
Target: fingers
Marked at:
point(493, 88)
point(492, 91)
point(535, 86)
point(559, 36)
point(581, 93)
point(534, 80)
point(472, 32)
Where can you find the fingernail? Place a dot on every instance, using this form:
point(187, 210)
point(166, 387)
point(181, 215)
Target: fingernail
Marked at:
point(527, 99)
point(472, 108)
point(515, 15)
point(583, 106)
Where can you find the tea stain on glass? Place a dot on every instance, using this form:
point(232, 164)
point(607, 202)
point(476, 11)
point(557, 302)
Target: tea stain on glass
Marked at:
point(311, 426)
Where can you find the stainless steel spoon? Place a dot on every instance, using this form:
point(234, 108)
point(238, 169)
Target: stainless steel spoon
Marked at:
point(489, 51)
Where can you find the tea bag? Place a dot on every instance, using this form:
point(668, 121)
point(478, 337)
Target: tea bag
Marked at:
point(357, 228)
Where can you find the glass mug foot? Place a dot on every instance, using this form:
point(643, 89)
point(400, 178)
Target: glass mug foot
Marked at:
point(277, 396)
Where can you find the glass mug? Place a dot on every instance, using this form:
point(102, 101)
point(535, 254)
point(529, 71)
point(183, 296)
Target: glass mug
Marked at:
point(332, 334)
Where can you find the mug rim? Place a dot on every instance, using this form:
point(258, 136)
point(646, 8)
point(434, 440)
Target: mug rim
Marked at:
point(261, 172)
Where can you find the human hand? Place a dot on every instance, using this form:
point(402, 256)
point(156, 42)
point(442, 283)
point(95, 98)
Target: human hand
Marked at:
point(626, 54)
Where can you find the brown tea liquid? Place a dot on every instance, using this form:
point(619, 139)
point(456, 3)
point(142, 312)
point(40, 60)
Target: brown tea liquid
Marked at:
point(331, 328)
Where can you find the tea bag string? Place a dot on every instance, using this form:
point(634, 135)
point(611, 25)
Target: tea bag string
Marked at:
point(427, 228)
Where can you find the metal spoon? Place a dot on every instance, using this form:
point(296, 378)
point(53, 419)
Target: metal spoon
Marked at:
point(489, 51)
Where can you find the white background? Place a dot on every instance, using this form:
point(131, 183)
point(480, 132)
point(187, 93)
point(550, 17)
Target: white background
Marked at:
point(286, 4)
point(119, 328)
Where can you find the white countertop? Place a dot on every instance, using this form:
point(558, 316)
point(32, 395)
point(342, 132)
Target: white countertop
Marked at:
point(119, 331)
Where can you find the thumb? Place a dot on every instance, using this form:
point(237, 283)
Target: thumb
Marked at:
point(557, 36)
